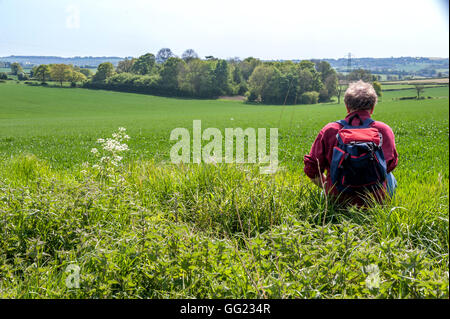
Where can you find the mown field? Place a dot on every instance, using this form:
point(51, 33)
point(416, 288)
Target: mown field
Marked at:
point(152, 229)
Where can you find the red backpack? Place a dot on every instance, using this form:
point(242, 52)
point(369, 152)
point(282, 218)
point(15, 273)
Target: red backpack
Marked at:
point(358, 162)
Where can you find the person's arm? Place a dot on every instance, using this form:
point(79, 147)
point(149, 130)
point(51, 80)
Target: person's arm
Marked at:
point(315, 161)
point(390, 150)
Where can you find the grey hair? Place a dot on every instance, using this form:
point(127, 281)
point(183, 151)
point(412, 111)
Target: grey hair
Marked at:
point(360, 96)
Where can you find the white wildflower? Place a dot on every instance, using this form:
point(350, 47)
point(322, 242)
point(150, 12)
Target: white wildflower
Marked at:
point(101, 140)
point(122, 129)
point(373, 276)
point(94, 151)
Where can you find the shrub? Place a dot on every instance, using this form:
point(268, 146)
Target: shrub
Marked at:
point(311, 97)
point(22, 77)
point(3, 76)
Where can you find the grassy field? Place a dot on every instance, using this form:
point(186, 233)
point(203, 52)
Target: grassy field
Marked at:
point(148, 228)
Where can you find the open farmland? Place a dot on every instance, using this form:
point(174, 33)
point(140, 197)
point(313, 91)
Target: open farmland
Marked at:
point(155, 229)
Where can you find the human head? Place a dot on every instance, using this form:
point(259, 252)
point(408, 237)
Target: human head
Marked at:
point(360, 96)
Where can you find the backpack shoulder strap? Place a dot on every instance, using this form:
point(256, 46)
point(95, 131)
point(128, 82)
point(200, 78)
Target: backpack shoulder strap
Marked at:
point(342, 122)
point(366, 123)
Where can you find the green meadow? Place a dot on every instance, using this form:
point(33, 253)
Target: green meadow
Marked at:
point(151, 229)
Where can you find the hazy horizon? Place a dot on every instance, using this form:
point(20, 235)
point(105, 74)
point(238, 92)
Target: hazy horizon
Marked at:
point(282, 30)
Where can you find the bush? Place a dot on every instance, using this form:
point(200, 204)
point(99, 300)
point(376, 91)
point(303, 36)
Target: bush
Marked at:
point(22, 77)
point(311, 97)
point(3, 76)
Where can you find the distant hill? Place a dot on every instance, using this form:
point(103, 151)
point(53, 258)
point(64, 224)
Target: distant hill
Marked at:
point(389, 67)
point(87, 61)
point(418, 66)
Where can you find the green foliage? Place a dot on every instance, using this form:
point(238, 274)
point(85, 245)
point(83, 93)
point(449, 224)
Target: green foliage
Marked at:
point(377, 87)
point(86, 72)
point(16, 68)
point(42, 72)
point(60, 73)
point(143, 65)
point(361, 74)
point(158, 230)
point(285, 82)
point(248, 66)
point(197, 79)
point(3, 76)
point(22, 76)
point(221, 78)
point(169, 75)
point(311, 97)
point(127, 65)
point(104, 71)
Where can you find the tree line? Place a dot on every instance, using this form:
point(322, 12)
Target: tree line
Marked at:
point(50, 72)
point(286, 82)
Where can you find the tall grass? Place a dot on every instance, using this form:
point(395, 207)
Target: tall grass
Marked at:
point(169, 231)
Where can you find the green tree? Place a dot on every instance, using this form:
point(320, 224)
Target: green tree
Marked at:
point(330, 87)
point(144, 64)
point(104, 71)
point(308, 78)
point(169, 75)
point(60, 73)
point(86, 72)
point(196, 79)
point(377, 87)
point(325, 69)
point(264, 84)
point(42, 72)
point(126, 66)
point(419, 89)
point(221, 78)
point(16, 68)
point(247, 66)
point(22, 76)
point(361, 74)
point(77, 77)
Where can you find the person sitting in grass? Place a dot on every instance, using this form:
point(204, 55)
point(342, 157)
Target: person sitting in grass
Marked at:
point(353, 159)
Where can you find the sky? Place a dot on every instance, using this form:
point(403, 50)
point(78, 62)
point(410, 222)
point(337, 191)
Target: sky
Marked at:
point(275, 29)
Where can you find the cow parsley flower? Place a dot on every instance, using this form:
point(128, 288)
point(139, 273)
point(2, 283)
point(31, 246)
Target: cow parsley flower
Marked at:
point(373, 276)
point(110, 152)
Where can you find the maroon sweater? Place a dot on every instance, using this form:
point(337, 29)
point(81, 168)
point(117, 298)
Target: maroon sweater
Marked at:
point(322, 149)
